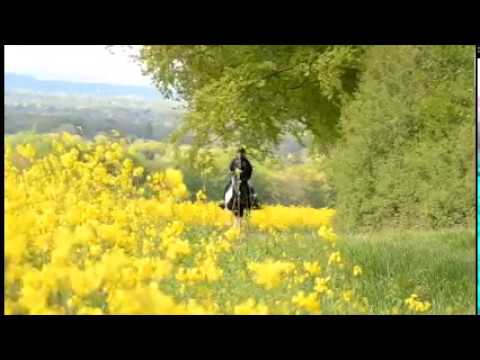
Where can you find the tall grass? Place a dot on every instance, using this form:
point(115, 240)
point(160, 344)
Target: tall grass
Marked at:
point(437, 265)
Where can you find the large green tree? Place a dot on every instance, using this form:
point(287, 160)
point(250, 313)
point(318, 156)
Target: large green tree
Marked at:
point(406, 156)
point(398, 118)
point(255, 94)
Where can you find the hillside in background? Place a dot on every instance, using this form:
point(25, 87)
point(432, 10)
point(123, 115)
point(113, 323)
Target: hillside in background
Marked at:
point(29, 83)
point(89, 115)
point(92, 109)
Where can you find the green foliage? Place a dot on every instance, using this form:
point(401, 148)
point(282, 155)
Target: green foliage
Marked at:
point(437, 265)
point(252, 94)
point(290, 180)
point(396, 124)
point(286, 182)
point(406, 157)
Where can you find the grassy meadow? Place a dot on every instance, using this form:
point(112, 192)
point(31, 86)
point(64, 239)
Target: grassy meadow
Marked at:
point(91, 231)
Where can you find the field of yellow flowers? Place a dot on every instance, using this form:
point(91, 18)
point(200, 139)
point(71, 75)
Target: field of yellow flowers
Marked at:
point(89, 232)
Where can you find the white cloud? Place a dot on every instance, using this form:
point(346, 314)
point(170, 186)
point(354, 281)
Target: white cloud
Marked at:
point(83, 63)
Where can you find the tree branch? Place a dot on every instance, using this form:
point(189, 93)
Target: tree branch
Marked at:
point(307, 80)
point(276, 73)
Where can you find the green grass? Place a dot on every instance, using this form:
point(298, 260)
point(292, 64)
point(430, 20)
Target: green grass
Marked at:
point(437, 265)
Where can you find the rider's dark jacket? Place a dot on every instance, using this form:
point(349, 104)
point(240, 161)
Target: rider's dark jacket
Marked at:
point(243, 164)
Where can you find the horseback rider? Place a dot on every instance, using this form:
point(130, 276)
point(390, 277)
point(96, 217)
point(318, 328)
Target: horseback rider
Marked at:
point(243, 164)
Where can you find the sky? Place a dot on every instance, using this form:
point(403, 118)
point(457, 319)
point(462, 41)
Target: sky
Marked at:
point(79, 63)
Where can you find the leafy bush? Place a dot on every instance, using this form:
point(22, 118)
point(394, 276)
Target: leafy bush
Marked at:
point(407, 153)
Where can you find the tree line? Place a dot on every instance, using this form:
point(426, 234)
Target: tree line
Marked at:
point(396, 122)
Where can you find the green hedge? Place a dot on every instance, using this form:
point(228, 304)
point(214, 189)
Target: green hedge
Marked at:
point(406, 157)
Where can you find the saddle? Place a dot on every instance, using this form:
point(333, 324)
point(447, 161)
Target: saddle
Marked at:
point(253, 196)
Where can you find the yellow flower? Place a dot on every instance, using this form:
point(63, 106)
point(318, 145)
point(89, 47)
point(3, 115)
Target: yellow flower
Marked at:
point(85, 234)
point(232, 234)
point(279, 217)
point(347, 295)
point(95, 250)
point(138, 171)
point(90, 311)
point(177, 248)
point(142, 301)
point(77, 214)
point(27, 151)
point(416, 305)
point(209, 270)
point(200, 196)
point(357, 270)
point(128, 164)
point(128, 277)
point(173, 178)
point(321, 285)
point(180, 191)
point(299, 279)
point(312, 267)
point(84, 282)
point(192, 308)
point(335, 258)
point(395, 310)
point(269, 273)
point(34, 299)
point(15, 246)
point(308, 302)
point(327, 233)
point(188, 275)
point(249, 307)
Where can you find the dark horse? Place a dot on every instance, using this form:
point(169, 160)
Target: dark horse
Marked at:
point(237, 197)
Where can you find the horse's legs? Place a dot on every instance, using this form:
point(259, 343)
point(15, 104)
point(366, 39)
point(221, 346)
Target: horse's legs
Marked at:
point(242, 222)
point(238, 222)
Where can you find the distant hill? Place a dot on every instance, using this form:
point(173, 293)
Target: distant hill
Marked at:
point(15, 82)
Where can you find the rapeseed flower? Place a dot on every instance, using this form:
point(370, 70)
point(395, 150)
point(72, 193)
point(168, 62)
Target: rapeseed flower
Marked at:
point(249, 307)
point(308, 302)
point(416, 305)
point(269, 273)
point(357, 270)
